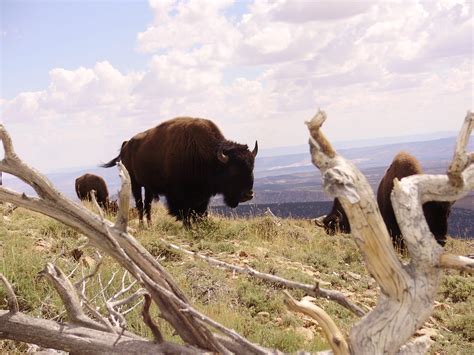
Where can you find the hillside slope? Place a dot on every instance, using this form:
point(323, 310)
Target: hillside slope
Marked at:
point(290, 248)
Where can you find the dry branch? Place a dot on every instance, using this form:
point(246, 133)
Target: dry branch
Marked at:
point(50, 334)
point(312, 290)
point(67, 292)
point(331, 331)
point(11, 297)
point(404, 288)
point(148, 321)
point(451, 261)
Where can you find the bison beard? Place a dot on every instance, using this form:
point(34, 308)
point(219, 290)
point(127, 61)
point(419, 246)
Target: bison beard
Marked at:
point(187, 160)
point(436, 212)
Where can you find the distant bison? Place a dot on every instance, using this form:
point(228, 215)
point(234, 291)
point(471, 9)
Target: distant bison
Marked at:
point(88, 182)
point(336, 221)
point(436, 212)
point(187, 160)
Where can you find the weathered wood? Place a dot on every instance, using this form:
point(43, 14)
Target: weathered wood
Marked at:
point(79, 339)
point(333, 334)
point(407, 292)
point(312, 290)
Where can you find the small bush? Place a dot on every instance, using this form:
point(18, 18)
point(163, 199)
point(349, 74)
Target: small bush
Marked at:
point(457, 288)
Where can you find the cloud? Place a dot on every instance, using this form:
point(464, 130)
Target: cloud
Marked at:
point(306, 11)
point(374, 69)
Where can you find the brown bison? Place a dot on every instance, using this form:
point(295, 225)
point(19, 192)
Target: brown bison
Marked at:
point(436, 212)
point(187, 160)
point(88, 182)
point(336, 221)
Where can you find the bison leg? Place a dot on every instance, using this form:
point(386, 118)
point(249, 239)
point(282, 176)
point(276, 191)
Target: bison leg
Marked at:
point(148, 201)
point(199, 211)
point(137, 195)
point(178, 209)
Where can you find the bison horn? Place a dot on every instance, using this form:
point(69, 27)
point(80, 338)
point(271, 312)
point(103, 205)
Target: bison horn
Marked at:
point(221, 156)
point(319, 221)
point(255, 150)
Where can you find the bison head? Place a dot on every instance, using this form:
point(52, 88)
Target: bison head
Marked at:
point(436, 214)
point(236, 178)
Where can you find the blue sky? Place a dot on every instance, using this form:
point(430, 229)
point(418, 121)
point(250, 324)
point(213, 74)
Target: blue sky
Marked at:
point(79, 77)
point(40, 35)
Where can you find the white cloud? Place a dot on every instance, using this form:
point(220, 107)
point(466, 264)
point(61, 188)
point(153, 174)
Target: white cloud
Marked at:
point(378, 68)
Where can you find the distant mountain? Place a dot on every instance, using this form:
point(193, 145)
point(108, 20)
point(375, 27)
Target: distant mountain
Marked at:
point(358, 143)
point(434, 153)
point(290, 177)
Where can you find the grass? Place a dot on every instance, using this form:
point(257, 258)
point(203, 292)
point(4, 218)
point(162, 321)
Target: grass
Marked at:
point(295, 250)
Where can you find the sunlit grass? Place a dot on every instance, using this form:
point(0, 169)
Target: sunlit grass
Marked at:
point(292, 248)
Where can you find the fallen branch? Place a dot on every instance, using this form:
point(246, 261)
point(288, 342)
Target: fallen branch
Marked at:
point(331, 331)
point(312, 290)
point(71, 337)
point(451, 261)
point(11, 297)
point(148, 321)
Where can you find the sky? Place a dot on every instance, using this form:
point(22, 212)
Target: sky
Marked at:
point(79, 77)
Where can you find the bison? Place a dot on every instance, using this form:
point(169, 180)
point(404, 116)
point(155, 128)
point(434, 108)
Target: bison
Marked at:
point(187, 160)
point(403, 165)
point(436, 212)
point(88, 182)
point(336, 221)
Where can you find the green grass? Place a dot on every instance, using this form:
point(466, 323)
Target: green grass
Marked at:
point(295, 250)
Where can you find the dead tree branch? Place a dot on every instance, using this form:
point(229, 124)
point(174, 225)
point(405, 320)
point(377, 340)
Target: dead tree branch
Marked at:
point(331, 331)
point(11, 297)
point(70, 337)
point(312, 290)
point(403, 288)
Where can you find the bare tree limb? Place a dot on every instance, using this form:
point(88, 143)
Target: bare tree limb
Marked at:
point(312, 290)
point(461, 159)
point(148, 321)
point(70, 299)
point(96, 204)
point(11, 297)
point(333, 334)
point(451, 261)
point(404, 288)
point(124, 199)
point(67, 337)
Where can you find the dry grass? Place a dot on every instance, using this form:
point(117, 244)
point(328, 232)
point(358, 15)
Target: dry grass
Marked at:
point(295, 250)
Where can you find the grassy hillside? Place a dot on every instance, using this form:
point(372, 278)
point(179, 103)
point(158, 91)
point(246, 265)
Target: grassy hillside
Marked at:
point(295, 250)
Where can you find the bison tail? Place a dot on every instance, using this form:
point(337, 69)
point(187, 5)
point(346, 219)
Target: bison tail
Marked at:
point(111, 163)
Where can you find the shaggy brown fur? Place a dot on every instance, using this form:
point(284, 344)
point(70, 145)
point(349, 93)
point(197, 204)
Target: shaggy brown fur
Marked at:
point(180, 160)
point(336, 221)
point(436, 212)
point(88, 182)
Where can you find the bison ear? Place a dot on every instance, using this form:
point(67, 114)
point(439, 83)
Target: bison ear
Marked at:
point(255, 150)
point(223, 158)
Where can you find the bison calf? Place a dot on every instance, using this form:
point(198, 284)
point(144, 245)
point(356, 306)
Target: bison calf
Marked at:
point(436, 212)
point(187, 160)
